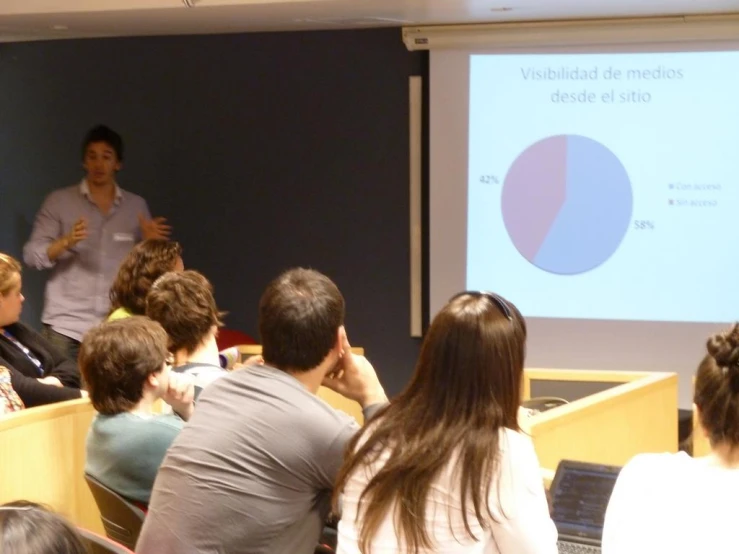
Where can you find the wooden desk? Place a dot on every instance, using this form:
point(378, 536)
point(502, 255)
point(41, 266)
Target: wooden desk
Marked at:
point(42, 450)
point(638, 414)
point(42, 459)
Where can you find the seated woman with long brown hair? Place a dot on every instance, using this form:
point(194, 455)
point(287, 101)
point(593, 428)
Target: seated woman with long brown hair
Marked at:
point(144, 264)
point(675, 503)
point(444, 467)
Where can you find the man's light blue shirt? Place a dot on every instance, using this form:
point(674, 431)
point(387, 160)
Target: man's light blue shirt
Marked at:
point(77, 290)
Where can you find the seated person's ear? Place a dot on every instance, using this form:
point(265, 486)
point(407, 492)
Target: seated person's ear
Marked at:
point(153, 380)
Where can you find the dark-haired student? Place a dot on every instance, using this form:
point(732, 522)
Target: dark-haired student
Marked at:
point(82, 233)
point(124, 363)
point(252, 471)
point(678, 504)
point(30, 528)
point(39, 372)
point(445, 468)
point(183, 304)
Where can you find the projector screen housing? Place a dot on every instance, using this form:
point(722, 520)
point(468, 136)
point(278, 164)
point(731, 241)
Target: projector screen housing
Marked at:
point(592, 310)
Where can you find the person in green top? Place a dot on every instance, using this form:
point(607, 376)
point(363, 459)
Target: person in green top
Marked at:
point(144, 264)
point(125, 365)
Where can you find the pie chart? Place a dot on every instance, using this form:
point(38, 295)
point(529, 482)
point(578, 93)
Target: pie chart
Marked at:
point(567, 204)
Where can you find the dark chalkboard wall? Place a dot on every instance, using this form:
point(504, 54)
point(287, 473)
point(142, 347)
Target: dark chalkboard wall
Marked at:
point(265, 151)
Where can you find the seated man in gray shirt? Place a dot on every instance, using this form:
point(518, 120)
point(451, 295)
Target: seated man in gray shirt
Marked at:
point(252, 472)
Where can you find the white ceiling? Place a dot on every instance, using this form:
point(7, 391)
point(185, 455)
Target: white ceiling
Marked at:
point(52, 19)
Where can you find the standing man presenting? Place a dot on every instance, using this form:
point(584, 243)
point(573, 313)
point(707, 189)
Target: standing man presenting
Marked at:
point(82, 233)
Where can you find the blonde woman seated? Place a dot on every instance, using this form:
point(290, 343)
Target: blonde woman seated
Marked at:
point(444, 467)
point(39, 372)
point(672, 502)
point(143, 265)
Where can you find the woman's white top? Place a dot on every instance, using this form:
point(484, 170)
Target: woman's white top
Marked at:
point(526, 527)
point(675, 504)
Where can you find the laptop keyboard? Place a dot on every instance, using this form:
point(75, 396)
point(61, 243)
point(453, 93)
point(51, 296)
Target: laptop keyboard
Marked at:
point(575, 548)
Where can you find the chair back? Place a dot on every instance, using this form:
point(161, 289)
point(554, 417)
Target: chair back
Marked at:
point(101, 545)
point(227, 338)
point(121, 519)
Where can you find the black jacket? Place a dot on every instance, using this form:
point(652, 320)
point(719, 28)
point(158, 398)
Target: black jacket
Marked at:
point(24, 373)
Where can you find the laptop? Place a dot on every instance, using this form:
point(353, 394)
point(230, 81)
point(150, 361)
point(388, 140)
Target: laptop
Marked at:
point(580, 492)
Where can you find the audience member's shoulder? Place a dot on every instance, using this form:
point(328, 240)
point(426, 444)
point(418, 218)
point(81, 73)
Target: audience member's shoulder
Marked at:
point(271, 382)
point(18, 327)
point(259, 377)
point(650, 468)
point(168, 421)
point(140, 426)
point(517, 451)
point(643, 462)
point(323, 411)
point(24, 331)
point(515, 441)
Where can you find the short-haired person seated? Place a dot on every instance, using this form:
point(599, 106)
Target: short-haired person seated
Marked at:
point(144, 264)
point(678, 504)
point(444, 468)
point(183, 304)
point(252, 472)
point(124, 363)
point(40, 373)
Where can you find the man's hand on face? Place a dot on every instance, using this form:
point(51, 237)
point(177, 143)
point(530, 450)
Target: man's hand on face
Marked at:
point(355, 378)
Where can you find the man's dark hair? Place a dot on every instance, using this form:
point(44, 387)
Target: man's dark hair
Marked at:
point(101, 133)
point(300, 313)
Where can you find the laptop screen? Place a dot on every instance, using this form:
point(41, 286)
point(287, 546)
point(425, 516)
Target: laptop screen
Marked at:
point(580, 494)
